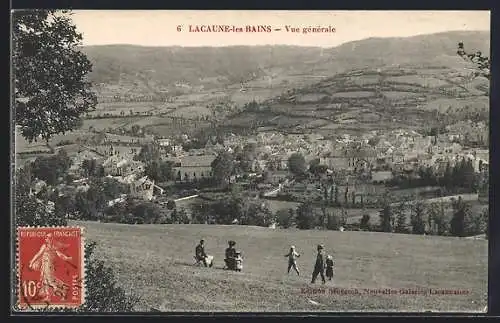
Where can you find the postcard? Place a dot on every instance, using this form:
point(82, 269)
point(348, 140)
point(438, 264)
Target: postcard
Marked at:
point(250, 161)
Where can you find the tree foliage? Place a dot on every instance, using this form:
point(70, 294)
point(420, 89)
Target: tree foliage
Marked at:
point(148, 153)
point(306, 218)
point(160, 171)
point(483, 63)
point(222, 167)
point(461, 210)
point(285, 218)
point(417, 219)
point(51, 168)
point(51, 90)
point(297, 164)
point(386, 218)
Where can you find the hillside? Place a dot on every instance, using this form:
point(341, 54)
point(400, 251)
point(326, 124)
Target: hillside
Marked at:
point(155, 261)
point(407, 90)
point(120, 69)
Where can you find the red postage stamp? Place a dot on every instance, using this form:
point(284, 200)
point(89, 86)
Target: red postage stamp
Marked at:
point(51, 267)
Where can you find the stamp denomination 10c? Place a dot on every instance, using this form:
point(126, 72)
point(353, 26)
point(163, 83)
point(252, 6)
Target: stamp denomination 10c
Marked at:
point(51, 267)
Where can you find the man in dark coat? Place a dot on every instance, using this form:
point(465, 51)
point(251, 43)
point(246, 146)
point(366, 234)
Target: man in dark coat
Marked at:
point(319, 267)
point(230, 254)
point(200, 253)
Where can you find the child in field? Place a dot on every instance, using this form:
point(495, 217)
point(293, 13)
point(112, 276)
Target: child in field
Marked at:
point(292, 260)
point(329, 267)
point(238, 259)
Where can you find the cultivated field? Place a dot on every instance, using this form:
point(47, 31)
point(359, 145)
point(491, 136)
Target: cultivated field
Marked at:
point(155, 262)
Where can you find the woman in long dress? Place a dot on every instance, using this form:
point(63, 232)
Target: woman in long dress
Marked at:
point(44, 262)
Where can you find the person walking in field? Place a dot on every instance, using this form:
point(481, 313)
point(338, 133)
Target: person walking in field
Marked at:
point(292, 260)
point(200, 253)
point(329, 267)
point(319, 267)
point(230, 254)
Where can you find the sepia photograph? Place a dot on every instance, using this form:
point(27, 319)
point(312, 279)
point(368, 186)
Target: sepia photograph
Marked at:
point(250, 161)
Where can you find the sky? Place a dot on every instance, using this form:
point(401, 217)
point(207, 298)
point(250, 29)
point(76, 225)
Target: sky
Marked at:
point(160, 27)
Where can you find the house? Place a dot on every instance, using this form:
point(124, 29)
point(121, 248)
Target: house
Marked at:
point(194, 166)
point(38, 186)
point(258, 165)
point(119, 166)
point(277, 177)
point(164, 142)
point(335, 160)
point(142, 188)
point(381, 176)
point(112, 165)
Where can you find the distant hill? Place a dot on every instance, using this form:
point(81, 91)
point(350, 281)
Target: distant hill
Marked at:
point(404, 84)
point(119, 68)
point(416, 50)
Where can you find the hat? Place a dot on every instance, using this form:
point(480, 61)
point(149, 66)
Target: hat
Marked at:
point(231, 242)
point(292, 247)
point(328, 257)
point(320, 246)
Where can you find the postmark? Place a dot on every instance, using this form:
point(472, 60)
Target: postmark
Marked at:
point(51, 267)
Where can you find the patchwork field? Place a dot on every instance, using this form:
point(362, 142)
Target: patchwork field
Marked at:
point(155, 262)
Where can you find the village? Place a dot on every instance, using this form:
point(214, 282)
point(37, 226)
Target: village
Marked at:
point(362, 167)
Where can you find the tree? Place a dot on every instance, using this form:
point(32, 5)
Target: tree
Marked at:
point(90, 167)
point(31, 211)
point(51, 92)
point(438, 217)
point(258, 214)
point(51, 168)
point(134, 130)
point(222, 167)
point(336, 196)
point(373, 141)
point(364, 223)
point(103, 293)
point(482, 63)
point(332, 221)
point(386, 218)
point(285, 218)
point(400, 212)
point(148, 153)
point(417, 220)
point(153, 171)
point(171, 205)
point(297, 164)
point(247, 155)
point(182, 216)
point(317, 169)
point(305, 216)
point(460, 212)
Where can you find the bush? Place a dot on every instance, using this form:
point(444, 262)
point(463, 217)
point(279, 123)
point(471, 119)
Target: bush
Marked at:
point(306, 218)
point(65, 143)
point(285, 218)
point(364, 223)
point(476, 223)
point(333, 222)
point(102, 291)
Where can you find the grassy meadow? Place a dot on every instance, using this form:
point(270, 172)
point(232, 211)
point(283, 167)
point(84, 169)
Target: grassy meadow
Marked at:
point(155, 262)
